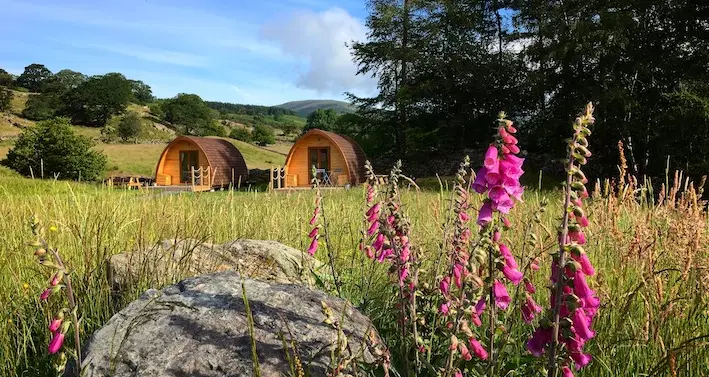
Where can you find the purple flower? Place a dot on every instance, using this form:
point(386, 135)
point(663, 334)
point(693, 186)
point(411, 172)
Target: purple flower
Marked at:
point(581, 288)
point(566, 372)
point(538, 342)
point(582, 327)
point(502, 298)
point(485, 214)
point(56, 343)
point(491, 159)
point(529, 309)
point(55, 324)
point(313, 246)
point(480, 183)
point(581, 359)
point(529, 287)
point(478, 349)
point(45, 295)
point(512, 274)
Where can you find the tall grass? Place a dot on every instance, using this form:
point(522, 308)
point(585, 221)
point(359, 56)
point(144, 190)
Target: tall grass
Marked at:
point(652, 261)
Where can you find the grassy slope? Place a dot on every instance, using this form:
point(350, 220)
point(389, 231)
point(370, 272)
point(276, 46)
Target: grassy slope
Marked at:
point(140, 158)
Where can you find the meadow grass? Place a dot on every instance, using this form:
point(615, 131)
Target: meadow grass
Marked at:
point(652, 262)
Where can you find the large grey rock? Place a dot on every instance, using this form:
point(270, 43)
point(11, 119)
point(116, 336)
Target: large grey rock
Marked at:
point(198, 327)
point(172, 260)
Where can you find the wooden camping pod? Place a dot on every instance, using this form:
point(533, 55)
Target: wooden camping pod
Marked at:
point(217, 159)
point(338, 155)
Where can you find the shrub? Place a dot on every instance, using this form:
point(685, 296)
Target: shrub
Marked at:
point(156, 110)
point(64, 153)
point(5, 99)
point(212, 128)
point(130, 126)
point(289, 129)
point(41, 106)
point(263, 135)
point(241, 134)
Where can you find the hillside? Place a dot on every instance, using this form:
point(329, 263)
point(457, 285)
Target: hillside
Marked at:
point(304, 108)
point(137, 158)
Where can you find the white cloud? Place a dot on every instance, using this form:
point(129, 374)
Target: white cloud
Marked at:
point(321, 39)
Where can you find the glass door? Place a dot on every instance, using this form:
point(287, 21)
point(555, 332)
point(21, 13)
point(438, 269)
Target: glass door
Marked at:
point(320, 158)
point(188, 160)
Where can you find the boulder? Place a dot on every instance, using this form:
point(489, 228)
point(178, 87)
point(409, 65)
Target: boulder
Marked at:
point(199, 327)
point(172, 260)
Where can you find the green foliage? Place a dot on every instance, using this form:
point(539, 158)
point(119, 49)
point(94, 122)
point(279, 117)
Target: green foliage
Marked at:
point(63, 152)
point(321, 119)
point(6, 79)
point(263, 135)
point(156, 110)
point(142, 93)
point(5, 99)
point(96, 100)
point(189, 112)
point(34, 77)
point(129, 126)
point(289, 129)
point(242, 134)
point(69, 80)
point(442, 76)
point(42, 106)
point(212, 128)
point(235, 108)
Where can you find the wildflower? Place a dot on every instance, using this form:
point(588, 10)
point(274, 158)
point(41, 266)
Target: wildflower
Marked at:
point(313, 232)
point(502, 298)
point(443, 309)
point(586, 266)
point(55, 324)
point(45, 295)
point(56, 279)
point(581, 288)
point(458, 374)
point(478, 349)
point(512, 274)
point(313, 246)
point(485, 214)
point(566, 372)
point(480, 183)
point(56, 343)
point(535, 264)
point(581, 359)
point(577, 236)
point(529, 287)
point(445, 285)
point(464, 352)
point(530, 309)
point(491, 160)
point(581, 325)
point(538, 342)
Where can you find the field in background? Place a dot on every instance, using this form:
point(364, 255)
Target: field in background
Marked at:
point(141, 158)
point(652, 261)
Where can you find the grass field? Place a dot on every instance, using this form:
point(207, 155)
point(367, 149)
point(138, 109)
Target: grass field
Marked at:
point(652, 262)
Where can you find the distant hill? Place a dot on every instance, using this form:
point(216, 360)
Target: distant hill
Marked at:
point(304, 108)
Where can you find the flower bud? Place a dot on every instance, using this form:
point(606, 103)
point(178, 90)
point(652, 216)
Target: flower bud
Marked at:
point(40, 252)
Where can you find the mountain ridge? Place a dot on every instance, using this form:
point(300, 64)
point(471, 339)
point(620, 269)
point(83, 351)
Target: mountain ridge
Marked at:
point(305, 107)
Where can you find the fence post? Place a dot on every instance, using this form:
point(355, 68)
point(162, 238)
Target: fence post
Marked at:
point(192, 169)
point(41, 166)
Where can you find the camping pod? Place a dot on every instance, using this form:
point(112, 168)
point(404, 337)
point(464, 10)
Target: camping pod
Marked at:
point(200, 161)
point(338, 160)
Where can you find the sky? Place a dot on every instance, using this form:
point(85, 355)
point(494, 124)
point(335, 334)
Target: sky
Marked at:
point(256, 52)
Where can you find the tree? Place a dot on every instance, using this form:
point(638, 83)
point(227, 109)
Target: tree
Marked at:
point(42, 106)
point(5, 99)
point(142, 93)
point(156, 110)
point(263, 135)
point(34, 77)
point(240, 133)
point(189, 112)
point(321, 119)
point(6, 78)
point(130, 126)
point(289, 128)
point(69, 80)
point(96, 100)
point(54, 145)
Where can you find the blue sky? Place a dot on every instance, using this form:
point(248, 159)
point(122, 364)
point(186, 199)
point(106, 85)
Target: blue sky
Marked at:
point(258, 52)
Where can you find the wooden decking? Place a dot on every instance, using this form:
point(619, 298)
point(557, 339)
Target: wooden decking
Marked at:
point(180, 188)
